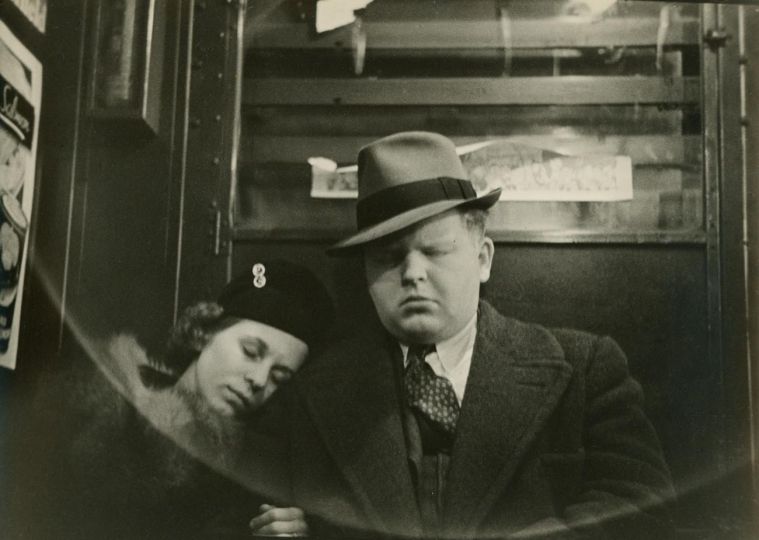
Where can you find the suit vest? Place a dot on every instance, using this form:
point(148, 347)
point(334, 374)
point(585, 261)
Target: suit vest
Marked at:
point(429, 455)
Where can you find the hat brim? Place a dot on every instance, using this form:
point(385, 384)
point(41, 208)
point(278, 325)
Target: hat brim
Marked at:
point(350, 245)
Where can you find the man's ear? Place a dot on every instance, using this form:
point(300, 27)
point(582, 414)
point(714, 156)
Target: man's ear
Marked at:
point(487, 249)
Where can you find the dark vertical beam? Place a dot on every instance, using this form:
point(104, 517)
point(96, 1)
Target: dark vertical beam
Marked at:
point(732, 260)
point(212, 145)
point(750, 59)
point(710, 115)
point(723, 163)
point(175, 207)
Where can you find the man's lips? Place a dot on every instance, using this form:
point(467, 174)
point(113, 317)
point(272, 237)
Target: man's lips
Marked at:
point(411, 300)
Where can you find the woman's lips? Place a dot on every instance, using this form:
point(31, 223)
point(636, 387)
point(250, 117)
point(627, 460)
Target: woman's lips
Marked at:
point(245, 400)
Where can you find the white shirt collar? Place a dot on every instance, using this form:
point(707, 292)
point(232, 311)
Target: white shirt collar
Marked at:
point(453, 357)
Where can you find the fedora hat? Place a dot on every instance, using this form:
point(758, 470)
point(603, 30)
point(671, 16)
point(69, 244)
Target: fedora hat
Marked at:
point(406, 178)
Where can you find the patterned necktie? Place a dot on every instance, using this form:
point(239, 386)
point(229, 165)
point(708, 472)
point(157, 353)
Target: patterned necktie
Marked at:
point(429, 393)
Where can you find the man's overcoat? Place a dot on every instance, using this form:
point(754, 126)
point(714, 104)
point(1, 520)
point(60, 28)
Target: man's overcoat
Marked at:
point(552, 439)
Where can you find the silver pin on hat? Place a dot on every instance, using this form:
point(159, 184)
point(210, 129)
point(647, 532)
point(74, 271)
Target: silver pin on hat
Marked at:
point(259, 280)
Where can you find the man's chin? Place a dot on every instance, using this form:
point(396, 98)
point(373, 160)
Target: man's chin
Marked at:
point(418, 331)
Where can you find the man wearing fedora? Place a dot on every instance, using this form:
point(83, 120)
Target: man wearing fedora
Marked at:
point(446, 419)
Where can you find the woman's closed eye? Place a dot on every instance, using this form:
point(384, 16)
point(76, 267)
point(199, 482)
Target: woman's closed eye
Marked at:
point(254, 348)
point(280, 374)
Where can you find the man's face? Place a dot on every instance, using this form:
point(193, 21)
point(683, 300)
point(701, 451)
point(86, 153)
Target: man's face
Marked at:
point(425, 281)
point(243, 364)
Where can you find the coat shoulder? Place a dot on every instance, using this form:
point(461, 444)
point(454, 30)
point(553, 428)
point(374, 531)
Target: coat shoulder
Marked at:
point(599, 355)
point(576, 344)
point(530, 340)
point(522, 340)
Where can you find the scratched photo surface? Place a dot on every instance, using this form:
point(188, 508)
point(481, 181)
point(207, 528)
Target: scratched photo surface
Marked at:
point(613, 129)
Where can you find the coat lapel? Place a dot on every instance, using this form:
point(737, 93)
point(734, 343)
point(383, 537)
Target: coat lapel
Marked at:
point(356, 409)
point(518, 375)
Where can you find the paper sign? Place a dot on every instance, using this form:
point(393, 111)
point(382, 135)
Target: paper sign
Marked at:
point(331, 14)
point(523, 172)
point(527, 173)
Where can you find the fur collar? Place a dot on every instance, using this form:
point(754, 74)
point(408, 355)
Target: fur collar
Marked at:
point(174, 410)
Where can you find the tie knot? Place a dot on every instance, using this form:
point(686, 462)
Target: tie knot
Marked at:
point(420, 352)
point(429, 394)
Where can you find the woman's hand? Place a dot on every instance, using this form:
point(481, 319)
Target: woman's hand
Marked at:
point(273, 521)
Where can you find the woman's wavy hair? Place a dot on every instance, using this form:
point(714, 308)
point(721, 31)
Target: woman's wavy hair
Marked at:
point(193, 330)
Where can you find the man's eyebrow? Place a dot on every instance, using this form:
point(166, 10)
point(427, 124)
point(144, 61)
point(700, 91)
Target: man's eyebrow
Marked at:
point(438, 241)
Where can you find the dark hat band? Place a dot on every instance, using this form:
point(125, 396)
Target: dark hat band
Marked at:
point(390, 202)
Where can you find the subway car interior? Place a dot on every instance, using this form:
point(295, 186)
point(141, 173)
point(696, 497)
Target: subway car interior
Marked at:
point(154, 149)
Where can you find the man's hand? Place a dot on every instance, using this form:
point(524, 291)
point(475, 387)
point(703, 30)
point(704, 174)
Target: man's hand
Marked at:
point(273, 521)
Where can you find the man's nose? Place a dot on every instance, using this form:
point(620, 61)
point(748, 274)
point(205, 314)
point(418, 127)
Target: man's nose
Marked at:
point(414, 268)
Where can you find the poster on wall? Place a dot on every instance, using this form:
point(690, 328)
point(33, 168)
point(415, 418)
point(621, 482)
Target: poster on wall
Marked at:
point(34, 10)
point(20, 99)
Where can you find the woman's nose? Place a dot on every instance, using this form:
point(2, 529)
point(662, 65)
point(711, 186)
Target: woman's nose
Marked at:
point(258, 375)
